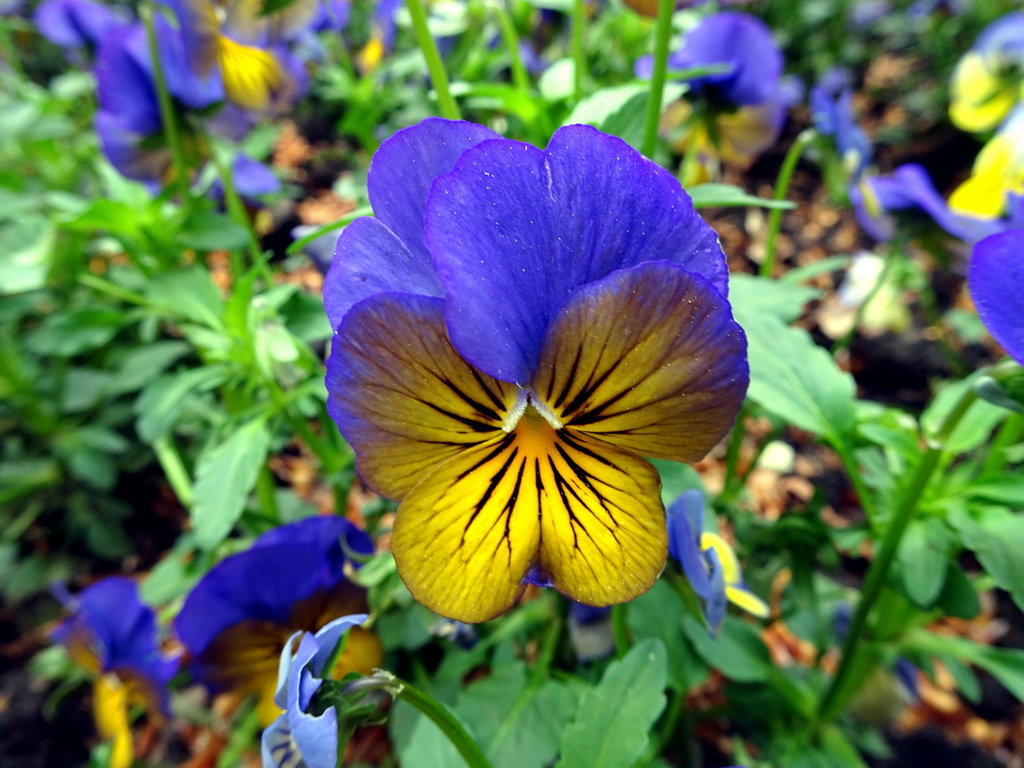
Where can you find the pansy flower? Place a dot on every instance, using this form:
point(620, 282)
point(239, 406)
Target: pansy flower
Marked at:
point(236, 620)
point(128, 122)
point(246, 46)
point(708, 561)
point(299, 737)
point(114, 637)
point(910, 188)
point(831, 103)
point(994, 277)
point(514, 330)
point(732, 115)
point(988, 81)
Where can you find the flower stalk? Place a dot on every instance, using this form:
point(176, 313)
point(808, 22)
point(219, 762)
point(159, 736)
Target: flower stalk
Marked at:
point(435, 66)
point(842, 685)
point(663, 35)
point(167, 115)
point(796, 151)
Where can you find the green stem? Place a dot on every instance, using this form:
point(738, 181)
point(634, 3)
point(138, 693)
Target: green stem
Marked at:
point(243, 734)
point(509, 36)
point(10, 51)
point(445, 101)
point(781, 189)
point(620, 628)
point(445, 720)
point(265, 494)
point(1009, 434)
point(867, 502)
point(174, 469)
point(662, 37)
point(90, 280)
point(579, 56)
point(842, 686)
point(732, 456)
point(167, 114)
point(236, 209)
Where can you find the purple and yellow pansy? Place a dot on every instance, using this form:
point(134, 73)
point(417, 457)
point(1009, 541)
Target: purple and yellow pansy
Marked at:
point(513, 331)
point(113, 636)
point(238, 618)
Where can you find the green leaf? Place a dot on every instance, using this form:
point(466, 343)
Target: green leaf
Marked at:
point(212, 232)
point(657, 615)
point(162, 401)
point(738, 652)
point(973, 429)
point(754, 297)
point(224, 478)
point(612, 727)
point(996, 536)
point(81, 330)
point(959, 598)
point(143, 364)
point(731, 196)
point(26, 243)
point(796, 380)
point(620, 110)
point(519, 726)
point(190, 294)
point(923, 556)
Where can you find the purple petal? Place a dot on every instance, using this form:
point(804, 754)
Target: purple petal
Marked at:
point(739, 40)
point(124, 82)
point(76, 23)
point(406, 165)
point(684, 528)
point(994, 277)
point(716, 603)
point(315, 736)
point(514, 231)
point(369, 260)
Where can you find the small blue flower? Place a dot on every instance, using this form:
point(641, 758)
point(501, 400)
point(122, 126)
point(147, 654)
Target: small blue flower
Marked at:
point(831, 102)
point(708, 562)
point(297, 737)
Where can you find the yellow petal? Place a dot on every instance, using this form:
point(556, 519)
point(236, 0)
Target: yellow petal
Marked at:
point(589, 515)
point(252, 76)
point(979, 100)
point(730, 563)
point(603, 533)
point(748, 601)
point(983, 197)
point(467, 533)
point(110, 710)
point(747, 132)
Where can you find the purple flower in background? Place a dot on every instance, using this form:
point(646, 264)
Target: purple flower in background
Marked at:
point(298, 737)
point(743, 45)
point(76, 23)
point(831, 102)
point(114, 636)
point(743, 106)
point(994, 277)
point(128, 120)
point(909, 188)
point(514, 329)
point(238, 617)
point(590, 631)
